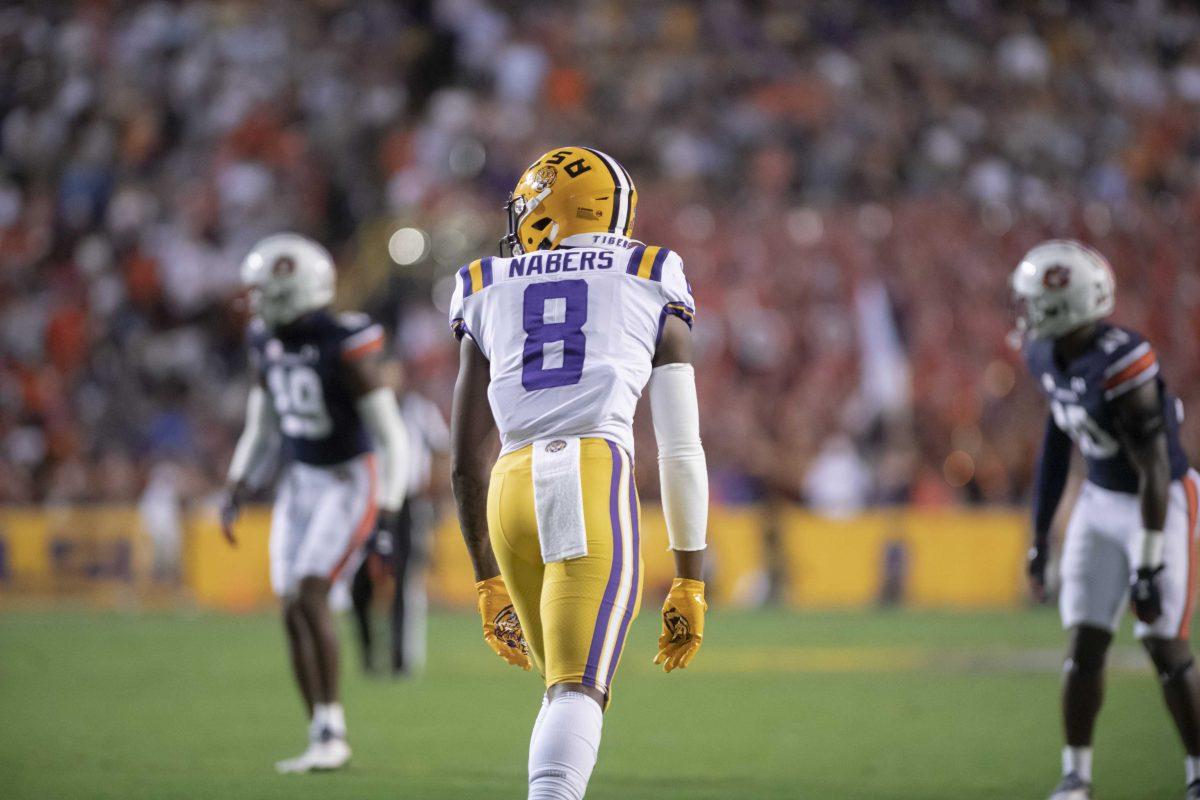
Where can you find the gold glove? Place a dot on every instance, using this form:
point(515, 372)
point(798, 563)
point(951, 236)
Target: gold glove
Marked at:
point(501, 628)
point(683, 624)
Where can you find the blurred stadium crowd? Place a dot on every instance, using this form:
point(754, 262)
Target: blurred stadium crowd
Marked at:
point(849, 188)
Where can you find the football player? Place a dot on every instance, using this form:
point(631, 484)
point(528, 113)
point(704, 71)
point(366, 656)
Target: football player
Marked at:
point(406, 555)
point(558, 340)
point(316, 386)
point(1132, 532)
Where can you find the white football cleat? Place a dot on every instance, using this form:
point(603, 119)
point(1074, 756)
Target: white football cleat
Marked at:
point(1072, 787)
point(294, 765)
point(320, 756)
point(329, 754)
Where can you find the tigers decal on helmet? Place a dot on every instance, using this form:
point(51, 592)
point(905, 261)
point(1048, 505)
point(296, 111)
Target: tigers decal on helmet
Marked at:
point(568, 190)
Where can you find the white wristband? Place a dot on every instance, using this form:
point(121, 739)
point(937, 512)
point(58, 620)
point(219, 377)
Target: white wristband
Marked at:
point(1148, 549)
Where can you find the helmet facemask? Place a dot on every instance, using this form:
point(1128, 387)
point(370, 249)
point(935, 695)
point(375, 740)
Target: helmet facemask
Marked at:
point(518, 209)
point(274, 301)
point(1039, 317)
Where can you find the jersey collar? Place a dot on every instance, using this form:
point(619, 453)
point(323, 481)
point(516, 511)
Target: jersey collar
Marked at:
point(609, 241)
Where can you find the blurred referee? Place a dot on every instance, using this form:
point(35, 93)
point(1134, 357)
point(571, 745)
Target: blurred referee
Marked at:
point(406, 555)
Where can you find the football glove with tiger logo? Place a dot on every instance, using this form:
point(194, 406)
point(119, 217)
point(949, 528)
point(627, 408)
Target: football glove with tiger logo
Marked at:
point(501, 627)
point(683, 624)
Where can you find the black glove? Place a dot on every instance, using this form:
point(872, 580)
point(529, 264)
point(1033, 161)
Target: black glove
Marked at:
point(231, 507)
point(383, 541)
point(1145, 595)
point(1037, 558)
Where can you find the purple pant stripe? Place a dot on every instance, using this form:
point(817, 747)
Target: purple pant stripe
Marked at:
point(614, 573)
point(631, 599)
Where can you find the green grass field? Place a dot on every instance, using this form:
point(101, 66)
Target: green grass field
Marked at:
point(777, 705)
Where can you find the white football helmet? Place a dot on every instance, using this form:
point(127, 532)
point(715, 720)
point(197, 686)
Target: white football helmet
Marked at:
point(1059, 286)
point(288, 275)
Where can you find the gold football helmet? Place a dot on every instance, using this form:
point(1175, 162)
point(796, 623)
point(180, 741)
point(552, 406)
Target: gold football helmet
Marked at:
point(568, 190)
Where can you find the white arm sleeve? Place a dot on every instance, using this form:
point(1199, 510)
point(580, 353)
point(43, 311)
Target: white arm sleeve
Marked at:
point(682, 470)
point(257, 436)
point(381, 414)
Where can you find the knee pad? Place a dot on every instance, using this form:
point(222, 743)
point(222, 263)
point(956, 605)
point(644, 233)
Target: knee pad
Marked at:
point(1085, 663)
point(1170, 673)
point(1170, 676)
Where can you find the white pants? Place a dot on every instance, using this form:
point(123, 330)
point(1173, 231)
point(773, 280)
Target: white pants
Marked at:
point(1097, 557)
point(322, 518)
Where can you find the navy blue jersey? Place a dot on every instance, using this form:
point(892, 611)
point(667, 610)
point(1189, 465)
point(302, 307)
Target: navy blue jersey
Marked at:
point(1081, 395)
point(303, 367)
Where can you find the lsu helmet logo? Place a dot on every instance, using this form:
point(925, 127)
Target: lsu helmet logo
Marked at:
point(544, 178)
point(568, 191)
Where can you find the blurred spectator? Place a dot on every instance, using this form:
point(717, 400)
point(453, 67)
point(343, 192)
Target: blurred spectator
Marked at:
point(818, 166)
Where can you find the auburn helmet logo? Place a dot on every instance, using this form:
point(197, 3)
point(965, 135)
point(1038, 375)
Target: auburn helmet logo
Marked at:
point(1057, 277)
point(283, 266)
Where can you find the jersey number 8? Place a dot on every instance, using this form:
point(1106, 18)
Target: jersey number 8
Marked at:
point(300, 402)
point(554, 315)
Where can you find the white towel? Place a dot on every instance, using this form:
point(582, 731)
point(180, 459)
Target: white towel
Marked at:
point(558, 498)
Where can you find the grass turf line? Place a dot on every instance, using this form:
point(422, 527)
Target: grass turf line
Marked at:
point(902, 705)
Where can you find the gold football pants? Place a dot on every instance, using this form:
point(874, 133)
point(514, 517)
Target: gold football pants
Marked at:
point(575, 613)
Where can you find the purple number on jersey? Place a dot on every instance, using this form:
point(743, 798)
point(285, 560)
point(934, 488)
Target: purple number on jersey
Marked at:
point(554, 313)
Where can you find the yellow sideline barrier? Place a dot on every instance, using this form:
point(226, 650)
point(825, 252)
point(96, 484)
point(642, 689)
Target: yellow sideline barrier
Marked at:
point(73, 550)
point(949, 558)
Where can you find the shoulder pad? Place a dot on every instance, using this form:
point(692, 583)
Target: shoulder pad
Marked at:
point(360, 335)
point(352, 322)
point(1130, 361)
point(646, 261)
point(476, 276)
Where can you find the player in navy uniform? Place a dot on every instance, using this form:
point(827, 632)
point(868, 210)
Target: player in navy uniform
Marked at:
point(1132, 532)
point(317, 387)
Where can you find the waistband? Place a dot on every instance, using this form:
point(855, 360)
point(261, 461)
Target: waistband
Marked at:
point(591, 447)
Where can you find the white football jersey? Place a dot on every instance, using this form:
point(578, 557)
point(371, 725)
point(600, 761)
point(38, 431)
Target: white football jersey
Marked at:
point(570, 333)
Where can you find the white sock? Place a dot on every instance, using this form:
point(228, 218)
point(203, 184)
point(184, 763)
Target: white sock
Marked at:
point(1192, 765)
point(329, 715)
point(537, 723)
point(563, 749)
point(1079, 761)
